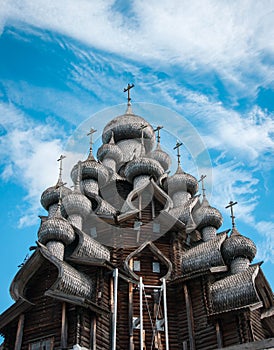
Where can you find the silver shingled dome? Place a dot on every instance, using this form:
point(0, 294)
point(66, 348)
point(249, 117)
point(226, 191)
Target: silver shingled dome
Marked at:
point(238, 246)
point(181, 181)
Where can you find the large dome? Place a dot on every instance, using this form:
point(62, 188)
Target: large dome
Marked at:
point(128, 126)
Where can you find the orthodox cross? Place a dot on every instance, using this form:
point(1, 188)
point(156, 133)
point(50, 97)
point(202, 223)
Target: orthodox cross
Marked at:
point(61, 185)
point(127, 89)
point(178, 145)
point(91, 132)
point(230, 205)
point(203, 184)
point(60, 167)
point(142, 127)
point(77, 184)
point(158, 132)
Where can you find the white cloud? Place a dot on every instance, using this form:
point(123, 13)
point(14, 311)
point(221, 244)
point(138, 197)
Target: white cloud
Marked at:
point(29, 151)
point(229, 37)
point(266, 247)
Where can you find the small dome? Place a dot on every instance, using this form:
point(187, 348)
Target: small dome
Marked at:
point(110, 150)
point(238, 246)
point(90, 169)
point(76, 203)
point(181, 181)
point(51, 195)
point(206, 216)
point(143, 166)
point(162, 157)
point(56, 229)
point(128, 126)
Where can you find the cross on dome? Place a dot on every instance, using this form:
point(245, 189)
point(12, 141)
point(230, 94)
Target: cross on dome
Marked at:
point(230, 205)
point(159, 127)
point(177, 146)
point(90, 133)
point(60, 169)
point(127, 89)
point(203, 184)
point(142, 127)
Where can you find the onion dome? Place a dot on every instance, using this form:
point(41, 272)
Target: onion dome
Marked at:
point(56, 228)
point(76, 203)
point(162, 157)
point(110, 150)
point(51, 195)
point(181, 181)
point(206, 216)
point(129, 126)
point(143, 166)
point(238, 246)
point(90, 169)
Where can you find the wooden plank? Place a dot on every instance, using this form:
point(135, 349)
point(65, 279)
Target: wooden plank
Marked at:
point(189, 318)
point(64, 326)
point(19, 333)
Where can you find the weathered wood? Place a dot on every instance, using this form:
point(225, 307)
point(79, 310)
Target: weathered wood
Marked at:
point(258, 345)
point(19, 333)
point(189, 318)
point(64, 327)
point(219, 335)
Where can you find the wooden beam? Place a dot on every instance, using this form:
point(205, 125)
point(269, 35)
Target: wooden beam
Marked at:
point(219, 335)
point(19, 333)
point(93, 326)
point(190, 321)
point(130, 310)
point(64, 326)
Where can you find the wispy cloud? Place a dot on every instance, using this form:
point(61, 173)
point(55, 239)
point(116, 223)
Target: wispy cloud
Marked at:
point(230, 38)
point(29, 151)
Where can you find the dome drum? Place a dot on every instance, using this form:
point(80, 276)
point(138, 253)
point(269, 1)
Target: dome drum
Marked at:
point(180, 197)
point(208, 233)
point(76, 203)
point(90, 187)
point(239, 265)
point(57, 249)
point(130, 148)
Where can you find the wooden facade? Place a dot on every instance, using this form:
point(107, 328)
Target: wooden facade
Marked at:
point(131, 259)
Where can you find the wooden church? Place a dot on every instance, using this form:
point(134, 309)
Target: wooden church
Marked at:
point(131, 259)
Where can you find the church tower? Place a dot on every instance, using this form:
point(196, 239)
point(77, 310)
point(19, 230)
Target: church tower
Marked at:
point(133, 258)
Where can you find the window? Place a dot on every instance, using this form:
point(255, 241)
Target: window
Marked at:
point(156, 227)
point(93, 232)
point(156, 266)
point(136, 265)
point(45, 344)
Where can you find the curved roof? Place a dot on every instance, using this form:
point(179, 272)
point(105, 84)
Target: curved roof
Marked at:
point(204, 256)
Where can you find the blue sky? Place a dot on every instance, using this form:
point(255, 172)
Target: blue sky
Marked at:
point(61, 62)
